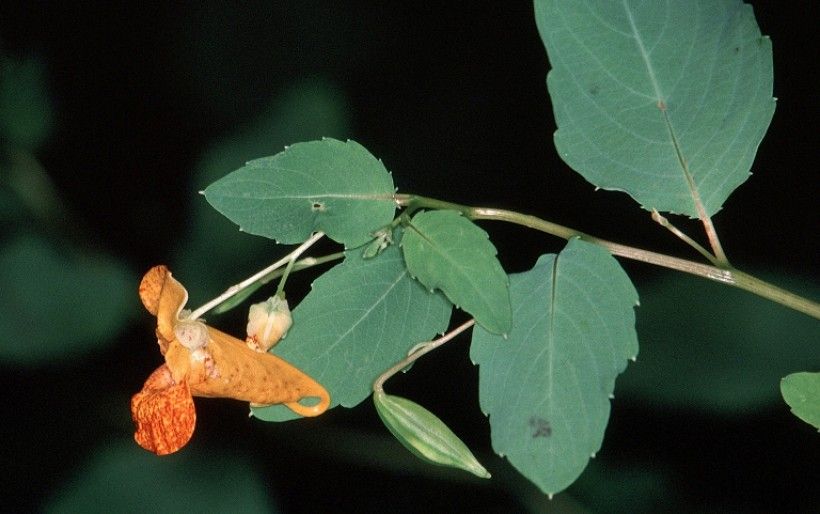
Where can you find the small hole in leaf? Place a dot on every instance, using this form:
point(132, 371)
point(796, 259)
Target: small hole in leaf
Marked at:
point(317, 207)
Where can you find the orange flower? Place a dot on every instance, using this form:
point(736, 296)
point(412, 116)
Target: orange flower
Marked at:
point(203, 361)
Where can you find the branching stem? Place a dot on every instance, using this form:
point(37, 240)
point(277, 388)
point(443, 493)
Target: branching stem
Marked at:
point(662, 221)
point(237, 288)
point(292, 256)
point(725, 275)
point(307, 262)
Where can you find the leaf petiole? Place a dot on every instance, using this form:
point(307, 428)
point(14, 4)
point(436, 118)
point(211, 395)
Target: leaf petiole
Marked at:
point(417, 352)
point(662, 221)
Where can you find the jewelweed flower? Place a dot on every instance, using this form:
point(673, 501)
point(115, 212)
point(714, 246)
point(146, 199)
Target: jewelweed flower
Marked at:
point(203, 361)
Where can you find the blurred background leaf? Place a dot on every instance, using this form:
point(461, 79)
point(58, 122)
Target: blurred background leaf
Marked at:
point(59, 300)
point(709, 347)
point(59, 303)
point(122, 477)
point(26, 116)
point(609, 487)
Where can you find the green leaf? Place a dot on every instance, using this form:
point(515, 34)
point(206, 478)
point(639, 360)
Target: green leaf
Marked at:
point(715, 348)
point(122, 477)
point(444, 250)
point(547, 387)
point(360, 318)
point(59, 303)
point(644, 92)
point(424, 434)
point(802, 393)
point(338, 188)
point(26, 117)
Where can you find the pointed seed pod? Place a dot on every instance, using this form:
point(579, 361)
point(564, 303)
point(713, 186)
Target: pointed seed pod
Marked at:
point(424, 434)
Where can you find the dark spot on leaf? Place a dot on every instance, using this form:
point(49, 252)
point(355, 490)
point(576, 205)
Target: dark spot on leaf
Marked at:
point(595, 89)
point(317, 207)
point(540, 427)
point(737, 49)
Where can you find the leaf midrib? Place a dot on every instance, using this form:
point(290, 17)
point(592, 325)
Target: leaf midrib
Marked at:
point(455, 263)
point(659, 96)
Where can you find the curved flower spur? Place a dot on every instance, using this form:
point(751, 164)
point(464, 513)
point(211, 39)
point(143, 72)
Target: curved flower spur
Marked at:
point(203, 361)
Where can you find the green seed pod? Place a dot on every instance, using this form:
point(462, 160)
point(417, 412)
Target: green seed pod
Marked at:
point(424, 434)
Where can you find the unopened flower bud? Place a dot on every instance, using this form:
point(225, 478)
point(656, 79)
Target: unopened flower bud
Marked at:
point(267, 322)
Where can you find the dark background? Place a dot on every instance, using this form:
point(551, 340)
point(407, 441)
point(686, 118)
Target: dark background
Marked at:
point(148, 100)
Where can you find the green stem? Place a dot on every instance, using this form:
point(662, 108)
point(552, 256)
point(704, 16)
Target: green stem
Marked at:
point(728, 276)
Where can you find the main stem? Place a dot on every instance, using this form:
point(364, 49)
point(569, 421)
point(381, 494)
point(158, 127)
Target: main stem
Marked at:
point(728, 275)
